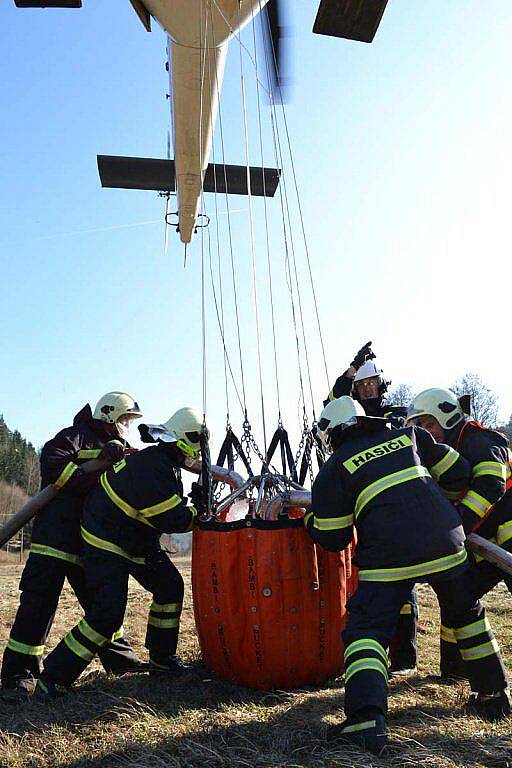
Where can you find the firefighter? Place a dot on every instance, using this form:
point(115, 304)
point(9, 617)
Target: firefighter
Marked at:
point(486, 503)
point(382, 481)
point(365, 381)
point(56, 548)
point(140, 498)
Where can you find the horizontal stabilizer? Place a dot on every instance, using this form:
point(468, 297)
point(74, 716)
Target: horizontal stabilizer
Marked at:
point(352, 19)
point(48, 4)
point(264, 181)
point(160, 176)
point(137, 173)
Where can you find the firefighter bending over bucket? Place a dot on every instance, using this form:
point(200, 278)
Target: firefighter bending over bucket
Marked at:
point(383, 483)
point(56, 548)
point(140, 498)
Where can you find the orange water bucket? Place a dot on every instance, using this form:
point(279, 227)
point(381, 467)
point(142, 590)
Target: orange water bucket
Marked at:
point(269, 605)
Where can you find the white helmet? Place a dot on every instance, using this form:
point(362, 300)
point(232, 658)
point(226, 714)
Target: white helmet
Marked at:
point(113, 406)
point(367, 371)
point(442, 404)
point(183, 428)
point(342, 412)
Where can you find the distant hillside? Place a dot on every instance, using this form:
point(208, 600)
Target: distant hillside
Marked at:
point(19, 470)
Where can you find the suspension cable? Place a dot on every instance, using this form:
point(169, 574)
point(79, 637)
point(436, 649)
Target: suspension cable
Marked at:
point(283, 199)
point(202, 53)
point(301, 217)
point(267, 237)
point(251, 232)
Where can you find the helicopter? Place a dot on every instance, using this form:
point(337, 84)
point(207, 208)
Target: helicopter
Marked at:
point(199, 35)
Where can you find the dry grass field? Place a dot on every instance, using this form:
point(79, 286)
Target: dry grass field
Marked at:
point(197, 720)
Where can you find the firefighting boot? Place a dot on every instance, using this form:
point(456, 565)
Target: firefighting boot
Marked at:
point(158, 664)
point(366, 729)
point(490, 706)
point(47, 690)
point(18, 688)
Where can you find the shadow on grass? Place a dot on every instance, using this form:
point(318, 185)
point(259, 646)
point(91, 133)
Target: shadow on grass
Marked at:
point(196, 720)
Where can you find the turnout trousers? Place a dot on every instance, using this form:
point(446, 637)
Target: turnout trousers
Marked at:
point(373, 613)
point(107, 579)
point(485, 577)
point(41, 586)
point(403, 648)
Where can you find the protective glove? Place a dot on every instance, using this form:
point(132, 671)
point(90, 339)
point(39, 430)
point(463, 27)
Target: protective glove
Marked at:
point(364, 354)
point(113, 451)
point(196, 496)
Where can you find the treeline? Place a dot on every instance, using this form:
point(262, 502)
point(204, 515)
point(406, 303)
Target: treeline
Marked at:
point(19, 460)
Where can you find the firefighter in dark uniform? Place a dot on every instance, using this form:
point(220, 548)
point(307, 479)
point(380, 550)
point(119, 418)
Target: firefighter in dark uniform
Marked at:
point(136, 501)
point(364, 381)
point(485, 504)
point(56, 548)
point(382, 481)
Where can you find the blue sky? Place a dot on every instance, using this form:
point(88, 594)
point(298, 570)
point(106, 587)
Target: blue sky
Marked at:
point(403, 162)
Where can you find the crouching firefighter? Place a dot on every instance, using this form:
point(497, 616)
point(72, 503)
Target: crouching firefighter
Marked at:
point(365, 382)
point(383, 483)
point(485, 504)
point(140, 498)
point(56, 548)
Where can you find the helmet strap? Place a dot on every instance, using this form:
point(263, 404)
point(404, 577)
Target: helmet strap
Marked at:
point(187, 450)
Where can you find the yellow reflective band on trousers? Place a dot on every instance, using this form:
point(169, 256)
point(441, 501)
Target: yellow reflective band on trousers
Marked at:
point(66, 474)
point(444, 464)
point(365, 665)
point(406, 610)
point(108, 546)
point(333, 523)
point(165, 607)
point(91, 634)
point(384, 483)
point(359, 726)
point(414, 571)
point(28, 650)
point(42, 549)
point(452, 495)
point(118, 634)
point(492, 468)
point(88, 453)
point(471, 630)
point(307, 517)
point(366, 644)
point(504, 533)
point(476, 503)
point(480, 651)
point(447, 634)
point(163, 623)
point(77, 648)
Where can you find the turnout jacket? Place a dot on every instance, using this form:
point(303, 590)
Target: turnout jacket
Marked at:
point(487, 493)
point(56, 531)
point(137, 500)
point(384, 482)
